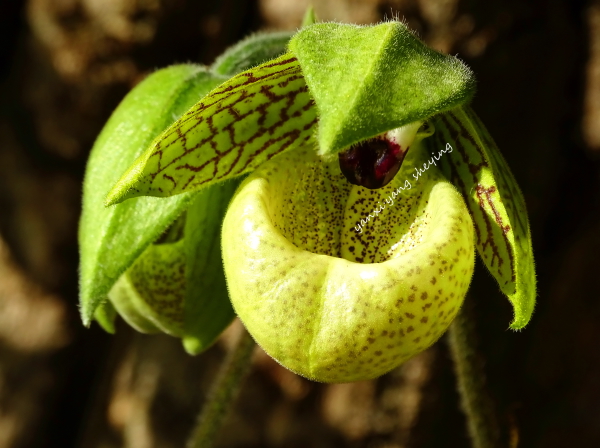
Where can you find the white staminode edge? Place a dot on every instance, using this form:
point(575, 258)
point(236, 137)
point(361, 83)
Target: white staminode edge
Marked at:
point(403, 136)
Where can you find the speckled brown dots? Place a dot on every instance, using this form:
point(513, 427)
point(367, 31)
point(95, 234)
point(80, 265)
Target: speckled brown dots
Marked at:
point(368, 295)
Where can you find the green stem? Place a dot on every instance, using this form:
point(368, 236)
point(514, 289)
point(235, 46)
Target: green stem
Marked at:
point(477, 404)
point(223, 393)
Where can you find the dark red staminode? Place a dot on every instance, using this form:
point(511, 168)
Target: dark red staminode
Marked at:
point(372, 163)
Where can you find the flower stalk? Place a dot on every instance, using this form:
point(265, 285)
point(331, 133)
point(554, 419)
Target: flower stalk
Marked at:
point(223, 392)
point(477, 404)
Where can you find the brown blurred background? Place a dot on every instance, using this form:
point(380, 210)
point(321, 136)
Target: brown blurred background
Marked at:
point(65, 64)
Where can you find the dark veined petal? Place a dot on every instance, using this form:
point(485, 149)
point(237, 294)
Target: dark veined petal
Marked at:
point(476, 167)
point(242, 123)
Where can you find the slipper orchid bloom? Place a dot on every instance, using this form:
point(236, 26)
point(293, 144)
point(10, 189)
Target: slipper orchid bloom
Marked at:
point(350, 245)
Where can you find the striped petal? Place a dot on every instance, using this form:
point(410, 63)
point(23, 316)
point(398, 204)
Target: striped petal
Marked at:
point(476, 167)
point(241, 124)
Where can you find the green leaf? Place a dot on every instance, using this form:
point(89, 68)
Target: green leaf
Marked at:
point(368, 80)
point(476, 167)
point(112, 238)
point(207, 309)
point(244, 122)
point(250, 52)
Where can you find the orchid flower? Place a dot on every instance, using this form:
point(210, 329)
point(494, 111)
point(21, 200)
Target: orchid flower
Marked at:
point(349, 247)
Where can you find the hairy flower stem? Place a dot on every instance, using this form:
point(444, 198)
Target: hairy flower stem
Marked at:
point(477, 404)
point(223, 393)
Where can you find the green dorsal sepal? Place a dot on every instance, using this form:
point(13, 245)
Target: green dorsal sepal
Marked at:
point(476, 167)
point(241, 124)
point(366, 80)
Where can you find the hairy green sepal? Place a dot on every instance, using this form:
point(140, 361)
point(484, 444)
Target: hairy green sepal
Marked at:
point(366, 80)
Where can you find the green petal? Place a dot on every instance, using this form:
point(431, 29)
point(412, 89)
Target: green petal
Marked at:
point(112, 238)
point(368, 80)
point(476, 167)
point(244, 122)
point(332, 303)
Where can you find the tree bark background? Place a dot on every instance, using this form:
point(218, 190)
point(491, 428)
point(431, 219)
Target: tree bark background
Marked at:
point(65, 65)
